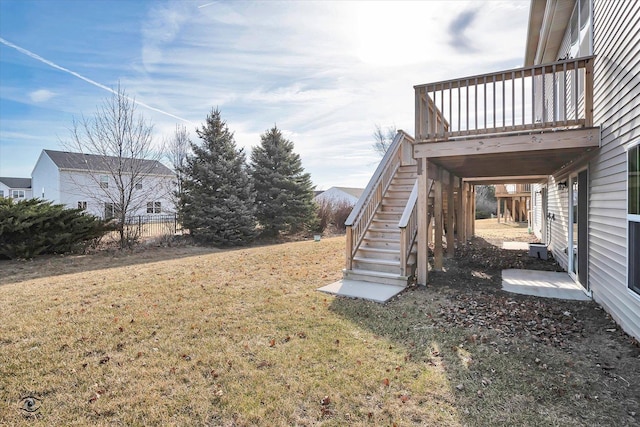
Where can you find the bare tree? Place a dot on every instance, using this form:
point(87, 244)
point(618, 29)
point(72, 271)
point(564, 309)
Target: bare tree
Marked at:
point(176, 150)
point(121, 162)
point(383, 138)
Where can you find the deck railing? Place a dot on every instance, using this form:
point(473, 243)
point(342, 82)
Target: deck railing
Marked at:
point(408, 229)
point(546, 96)
point(399, 153)
point(506, 189)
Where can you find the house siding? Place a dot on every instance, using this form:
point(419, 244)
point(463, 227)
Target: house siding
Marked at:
point(558, 202)
point(83, 186)
point(45, 179)
point(616, 84)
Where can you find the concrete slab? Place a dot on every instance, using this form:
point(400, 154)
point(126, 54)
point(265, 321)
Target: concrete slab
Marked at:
point(516, 246)
point(547, 284)
point(366, 290)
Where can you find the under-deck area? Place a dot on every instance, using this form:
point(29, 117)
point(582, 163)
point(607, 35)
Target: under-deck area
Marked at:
point(511, 129)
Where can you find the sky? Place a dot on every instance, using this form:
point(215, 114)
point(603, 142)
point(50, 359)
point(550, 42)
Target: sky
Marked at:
point(326, 73)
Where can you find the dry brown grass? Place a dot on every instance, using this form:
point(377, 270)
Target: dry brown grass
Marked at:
point(192, 336)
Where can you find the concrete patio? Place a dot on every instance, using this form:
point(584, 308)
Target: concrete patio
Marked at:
point(546, 284)
point(366, 290)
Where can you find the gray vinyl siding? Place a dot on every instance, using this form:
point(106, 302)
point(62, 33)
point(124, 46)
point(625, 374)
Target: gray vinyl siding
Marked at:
point(616, 91)
point(559, 222)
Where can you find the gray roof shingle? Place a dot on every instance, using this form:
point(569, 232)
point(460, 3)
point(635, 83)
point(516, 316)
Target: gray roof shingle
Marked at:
point(79, 161)
point(16, 182)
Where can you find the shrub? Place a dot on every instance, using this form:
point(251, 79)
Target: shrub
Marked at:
point(341, 212)
point(483, 214)
point(32, 227)
point(332, 214)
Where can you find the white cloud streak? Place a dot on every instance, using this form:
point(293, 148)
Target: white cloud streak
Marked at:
point(86, 79)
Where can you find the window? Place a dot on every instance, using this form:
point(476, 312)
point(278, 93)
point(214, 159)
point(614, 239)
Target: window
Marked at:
point(82, 205)
point(139, 186)
point(154, 207)
point(104, 181)
point(633, 216)
point(109, 211)
point(17, 194)
point(1, 193)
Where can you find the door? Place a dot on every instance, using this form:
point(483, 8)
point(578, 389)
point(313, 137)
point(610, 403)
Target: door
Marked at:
point(578, 228)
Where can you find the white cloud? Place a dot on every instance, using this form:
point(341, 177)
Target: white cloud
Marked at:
point(324, 72)
point(41, 95)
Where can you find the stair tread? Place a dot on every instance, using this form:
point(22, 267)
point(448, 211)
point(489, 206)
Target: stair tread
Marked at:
point(390, 262)
point(384, 230)
point(376, 273)
point(379, 250)
point(380, 239)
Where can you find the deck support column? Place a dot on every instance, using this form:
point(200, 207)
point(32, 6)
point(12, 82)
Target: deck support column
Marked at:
point(423, 223)
point(469, 214)
point(473, 213)
point(514, 214)
point(437, 214)
point(450, 218)
point(499, 203)
point(464, 208)
point(460, 213)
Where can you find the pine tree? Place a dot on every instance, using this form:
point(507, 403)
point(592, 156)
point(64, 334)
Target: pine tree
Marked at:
point(218, 196)
point(284, 191)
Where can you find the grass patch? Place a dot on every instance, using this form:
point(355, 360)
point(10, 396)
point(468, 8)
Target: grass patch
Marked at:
point(191, 336)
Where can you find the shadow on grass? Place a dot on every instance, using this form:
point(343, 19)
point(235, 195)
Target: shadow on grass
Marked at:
point(17, 271)
point(509, 359)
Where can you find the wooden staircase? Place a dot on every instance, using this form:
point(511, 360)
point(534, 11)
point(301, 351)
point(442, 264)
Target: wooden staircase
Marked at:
point(378, 258)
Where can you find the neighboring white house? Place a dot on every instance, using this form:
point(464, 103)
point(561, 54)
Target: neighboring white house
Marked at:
point(84, 181)
point(15, 188)
point(340, 194)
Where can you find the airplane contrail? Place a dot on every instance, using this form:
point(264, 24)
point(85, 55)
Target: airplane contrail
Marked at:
point(86, 79)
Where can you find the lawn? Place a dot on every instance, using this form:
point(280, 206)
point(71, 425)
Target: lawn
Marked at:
point(194, 336)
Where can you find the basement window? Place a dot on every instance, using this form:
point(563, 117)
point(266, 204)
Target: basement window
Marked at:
point(633, 217)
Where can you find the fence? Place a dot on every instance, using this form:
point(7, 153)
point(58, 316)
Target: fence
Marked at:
point(152, 225)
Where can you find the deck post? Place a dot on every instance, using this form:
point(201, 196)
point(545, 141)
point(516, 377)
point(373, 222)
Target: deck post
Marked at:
point(349, 257)
point(450, 217)
point(499, 202)
point(514, 214)
point(460, 214)
point(423, 224)
point(588, 93)
point(465, 210)
point(473, 213)
point(437, 214)
point(469, 211)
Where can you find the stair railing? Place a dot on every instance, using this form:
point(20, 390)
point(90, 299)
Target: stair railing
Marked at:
point(408, 229)
point(399, 153)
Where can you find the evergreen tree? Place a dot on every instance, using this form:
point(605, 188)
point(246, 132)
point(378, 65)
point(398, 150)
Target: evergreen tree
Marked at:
point(284, 191)
point(32, 227)
point(218, 196)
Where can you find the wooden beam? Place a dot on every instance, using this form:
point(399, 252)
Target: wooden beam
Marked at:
point(423, 226)
point(437, 214)
point(473, 213)
point(525, 179)
point(499, 203)
point(450, 217)
point(459, 217)
point(465, 211)
point(469, 211)
point(575, 138)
